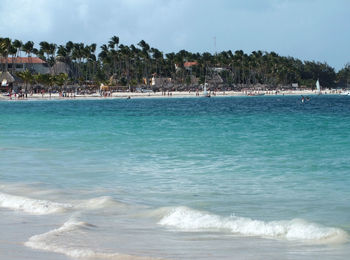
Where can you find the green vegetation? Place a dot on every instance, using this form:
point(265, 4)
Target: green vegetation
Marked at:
point(123, 65)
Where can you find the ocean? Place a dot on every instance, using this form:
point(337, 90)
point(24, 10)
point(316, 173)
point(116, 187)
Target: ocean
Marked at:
point(175, 178)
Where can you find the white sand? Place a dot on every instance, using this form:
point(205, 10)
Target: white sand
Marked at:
point(182, 94)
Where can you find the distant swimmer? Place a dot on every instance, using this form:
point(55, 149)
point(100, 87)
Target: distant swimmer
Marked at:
point(304, 98)
point(128, 97)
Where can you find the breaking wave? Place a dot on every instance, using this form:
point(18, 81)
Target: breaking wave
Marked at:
point(44, 207)
point(188, 219)
point(32, 206)
point(55, 241)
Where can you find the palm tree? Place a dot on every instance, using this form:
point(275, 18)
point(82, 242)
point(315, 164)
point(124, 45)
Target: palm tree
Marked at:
point(125, 56)
point(113, 46)
point(91, 60)
point(106, 61)
point(157, 55)
point(146, 58)
point(76, 59)
point(17, 44)
point(46, 80)
point(44, 49)
point(114, 42)
point(62, 51)
point(52, 54)
point(61, 80)
point(343, 76)
point(50, 50)
point(27, 78)
point(12, 52)
point(5, 47)
point(28, 49)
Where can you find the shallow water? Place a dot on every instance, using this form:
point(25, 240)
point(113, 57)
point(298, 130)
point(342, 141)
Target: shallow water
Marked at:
point(192, 178)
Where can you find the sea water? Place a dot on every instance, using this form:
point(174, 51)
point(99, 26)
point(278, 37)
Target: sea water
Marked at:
point(175, 178)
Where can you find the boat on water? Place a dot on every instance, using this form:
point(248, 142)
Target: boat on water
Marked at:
point(205, 92)
point(345, 93)
point(318, 87)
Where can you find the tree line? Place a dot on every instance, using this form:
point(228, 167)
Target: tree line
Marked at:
point(132, 65)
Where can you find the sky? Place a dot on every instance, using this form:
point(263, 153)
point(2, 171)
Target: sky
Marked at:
point(316, 30)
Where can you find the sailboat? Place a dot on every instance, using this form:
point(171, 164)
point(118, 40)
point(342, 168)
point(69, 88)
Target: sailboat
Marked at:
point(318, 87)
point(205, 92)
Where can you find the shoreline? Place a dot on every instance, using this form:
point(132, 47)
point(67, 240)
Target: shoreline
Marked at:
point(175, 94)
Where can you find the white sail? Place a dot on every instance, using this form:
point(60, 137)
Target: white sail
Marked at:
point(318, 87)
point(205, 93)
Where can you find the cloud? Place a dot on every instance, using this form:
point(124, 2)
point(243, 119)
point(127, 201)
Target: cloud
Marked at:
point(23, 15)
point(301, 28)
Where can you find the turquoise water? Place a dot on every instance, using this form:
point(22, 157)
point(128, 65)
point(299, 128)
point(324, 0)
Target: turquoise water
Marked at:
point(243, 177)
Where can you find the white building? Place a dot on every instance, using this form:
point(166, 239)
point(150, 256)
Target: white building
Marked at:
point(17, 64)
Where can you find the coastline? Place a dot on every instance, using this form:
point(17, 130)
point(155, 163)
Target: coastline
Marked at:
point(175, 94)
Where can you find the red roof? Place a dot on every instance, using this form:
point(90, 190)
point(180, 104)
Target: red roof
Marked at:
point(22, 60)
point(190, 63)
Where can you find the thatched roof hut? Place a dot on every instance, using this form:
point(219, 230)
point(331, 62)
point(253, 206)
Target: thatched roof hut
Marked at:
point(60, 67)
point(215, 79)
point(6, 77)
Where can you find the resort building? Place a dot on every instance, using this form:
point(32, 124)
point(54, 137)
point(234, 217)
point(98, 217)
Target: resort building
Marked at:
point(17, 64)
point(187, 65)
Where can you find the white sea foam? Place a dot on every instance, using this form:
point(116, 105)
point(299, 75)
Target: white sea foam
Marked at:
point(187, 219)
point(55, 241)
point(32, 206)
point(43, 207)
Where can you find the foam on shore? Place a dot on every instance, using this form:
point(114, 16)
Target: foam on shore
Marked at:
point(44, 207)
point(32, 206)
point(54, 241)
point(187, 219)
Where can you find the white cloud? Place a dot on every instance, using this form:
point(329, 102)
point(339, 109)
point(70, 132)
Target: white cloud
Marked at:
point(302, 28)
point(83, 12)
point(23, 16)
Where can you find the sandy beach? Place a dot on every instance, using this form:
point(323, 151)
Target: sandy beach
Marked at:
point(176, 94)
